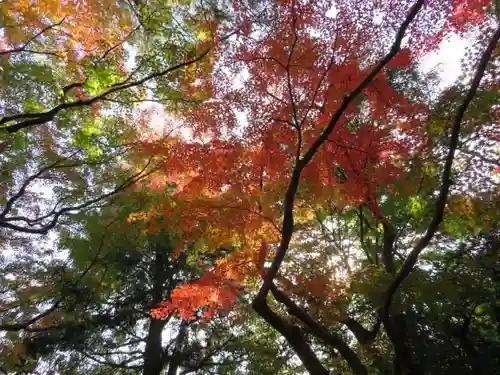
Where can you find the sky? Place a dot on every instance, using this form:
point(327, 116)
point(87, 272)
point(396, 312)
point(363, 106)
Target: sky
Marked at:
point(447, 59)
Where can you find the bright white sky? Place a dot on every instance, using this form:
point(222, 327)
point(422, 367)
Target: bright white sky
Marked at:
point(447, 59)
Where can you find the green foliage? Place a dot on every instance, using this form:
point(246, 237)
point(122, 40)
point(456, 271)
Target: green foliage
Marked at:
point(100, 76)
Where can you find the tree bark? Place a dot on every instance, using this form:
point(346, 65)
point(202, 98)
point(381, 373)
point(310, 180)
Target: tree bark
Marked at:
point(153, 354)
point(177, 355)
point(294, 337)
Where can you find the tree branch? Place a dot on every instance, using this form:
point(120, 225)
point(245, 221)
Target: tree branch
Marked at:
point(57, 213)
point(31, 119)
point(23, 48)
point(55, 305)
point(295, 338)
point(321, 332)
point(446, 177)
point(288, 220)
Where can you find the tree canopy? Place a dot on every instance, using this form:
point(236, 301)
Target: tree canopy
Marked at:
point(248, 187)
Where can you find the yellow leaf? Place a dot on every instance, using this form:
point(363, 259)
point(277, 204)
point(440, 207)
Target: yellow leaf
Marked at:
point(203, 35)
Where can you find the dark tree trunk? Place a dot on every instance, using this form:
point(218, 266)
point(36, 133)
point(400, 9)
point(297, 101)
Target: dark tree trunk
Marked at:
point(176, 358)
point(153, 354)
point(404, 362)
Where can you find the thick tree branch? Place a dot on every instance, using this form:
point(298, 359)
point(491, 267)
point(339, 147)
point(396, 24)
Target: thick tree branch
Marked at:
point(321, 332)
point(294, 337)
point(363, 335)
point(27, 120)
point(288, 220)
point(446, 177)
point(388, 246)
point(362, 231)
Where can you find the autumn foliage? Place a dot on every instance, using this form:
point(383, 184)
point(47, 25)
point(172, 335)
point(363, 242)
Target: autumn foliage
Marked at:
point(305, 169)
point(294, 72)
point(81, 28)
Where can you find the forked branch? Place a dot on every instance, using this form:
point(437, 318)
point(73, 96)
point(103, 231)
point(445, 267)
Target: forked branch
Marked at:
point(446, 182)
point(288, 219)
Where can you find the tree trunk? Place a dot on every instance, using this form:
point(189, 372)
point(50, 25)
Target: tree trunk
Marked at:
point(404, 364)
point(176, 358)
point(153, 354)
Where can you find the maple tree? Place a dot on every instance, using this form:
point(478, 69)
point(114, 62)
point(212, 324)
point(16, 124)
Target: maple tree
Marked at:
point(316, 123)
point(307, 167)
point(65, 87)
point(91, 71)
point(87, 25)
point(116, 275)
point(71, 77)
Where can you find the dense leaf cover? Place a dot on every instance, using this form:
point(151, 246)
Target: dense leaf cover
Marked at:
point(276, 186)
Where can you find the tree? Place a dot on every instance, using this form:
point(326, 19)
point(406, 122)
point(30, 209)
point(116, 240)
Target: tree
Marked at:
point(99, 316)
point(69, 150)
point(324, 127)
point(157, 45)
point(455, 324)
point(306, 169)
point(69, 111)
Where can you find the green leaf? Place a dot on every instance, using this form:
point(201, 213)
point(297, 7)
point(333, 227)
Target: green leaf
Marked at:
point(417, 206)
